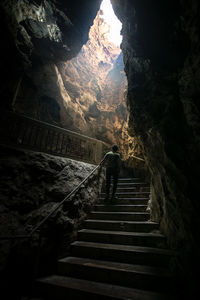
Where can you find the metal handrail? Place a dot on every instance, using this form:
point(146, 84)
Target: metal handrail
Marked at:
point(138, 158)
point(59, 204)
point(50, 214)
point(21, 131)
point(11, 237)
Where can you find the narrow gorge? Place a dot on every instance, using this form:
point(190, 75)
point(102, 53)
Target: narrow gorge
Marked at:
point(59, 68)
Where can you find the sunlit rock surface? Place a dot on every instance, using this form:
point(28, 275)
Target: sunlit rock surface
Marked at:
point(96, 83)
point(86, 94)
point(37, 32)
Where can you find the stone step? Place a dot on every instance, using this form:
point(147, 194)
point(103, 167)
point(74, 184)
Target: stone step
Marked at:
point(130, 180)
point(123, 216)
point(68, 288)
point(125, 208)
point(129, 194)
point(123, 253)
point(135, 276)
point(125, 189)
point(133, 201)
point(121, 225)
point(131, 189)
point(144, 188)
point(122, 237)
point(133, 184)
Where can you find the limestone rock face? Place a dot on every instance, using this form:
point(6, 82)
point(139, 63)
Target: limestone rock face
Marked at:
point(32, 184)
point(85, 94)
point(51, 30)
point(161, 54)
point(31, 180)
point(36, 32)
point(96, 83)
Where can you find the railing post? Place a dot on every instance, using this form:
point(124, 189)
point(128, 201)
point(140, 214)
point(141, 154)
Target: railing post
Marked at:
point(16, 93)
point(36, 262)
point(37, 135)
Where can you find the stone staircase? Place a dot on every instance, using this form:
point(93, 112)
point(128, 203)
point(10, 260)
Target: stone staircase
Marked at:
point(119, 254)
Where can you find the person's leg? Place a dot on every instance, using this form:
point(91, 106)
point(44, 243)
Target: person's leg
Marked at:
point(115, 182)
point(108, 180)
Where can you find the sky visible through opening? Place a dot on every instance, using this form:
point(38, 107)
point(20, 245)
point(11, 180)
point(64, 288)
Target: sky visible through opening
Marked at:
point(110, 18)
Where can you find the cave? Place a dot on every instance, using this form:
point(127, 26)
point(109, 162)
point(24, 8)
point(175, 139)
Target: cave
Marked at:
point(47, 149)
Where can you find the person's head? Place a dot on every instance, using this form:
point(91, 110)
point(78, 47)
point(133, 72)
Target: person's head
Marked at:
point(115, 148)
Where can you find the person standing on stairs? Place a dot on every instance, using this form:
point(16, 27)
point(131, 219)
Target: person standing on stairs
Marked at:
point(112, 161)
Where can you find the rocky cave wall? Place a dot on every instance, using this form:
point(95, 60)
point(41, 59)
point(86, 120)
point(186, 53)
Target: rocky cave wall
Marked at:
point(85, 94)
point(162, 62)
point(96, 83)
point(32, 185)
point(161, 55)
point(35, 33)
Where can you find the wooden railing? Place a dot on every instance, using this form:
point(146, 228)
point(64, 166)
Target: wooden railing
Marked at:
point(21, 131)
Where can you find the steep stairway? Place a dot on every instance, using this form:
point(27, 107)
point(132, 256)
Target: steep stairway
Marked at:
point(119, 253)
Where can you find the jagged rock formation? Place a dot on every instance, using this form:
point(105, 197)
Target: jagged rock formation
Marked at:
point(161, 54)
point(38, 32)
point(160, 47)
point(95, 82)
point(85, 94)
point(32, 184)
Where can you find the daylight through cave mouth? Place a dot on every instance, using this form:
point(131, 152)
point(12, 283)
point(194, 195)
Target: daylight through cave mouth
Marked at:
point(108, 15)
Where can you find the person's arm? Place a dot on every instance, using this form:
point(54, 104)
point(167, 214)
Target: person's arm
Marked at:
point(103, 160)
point(119, 162)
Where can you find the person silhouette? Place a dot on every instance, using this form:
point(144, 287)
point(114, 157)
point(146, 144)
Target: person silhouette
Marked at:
point(112, 161)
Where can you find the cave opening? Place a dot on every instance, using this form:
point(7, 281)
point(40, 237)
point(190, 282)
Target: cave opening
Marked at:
point(89, 90)
point(160, 48)
point(115, 26)
point(95, 83)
